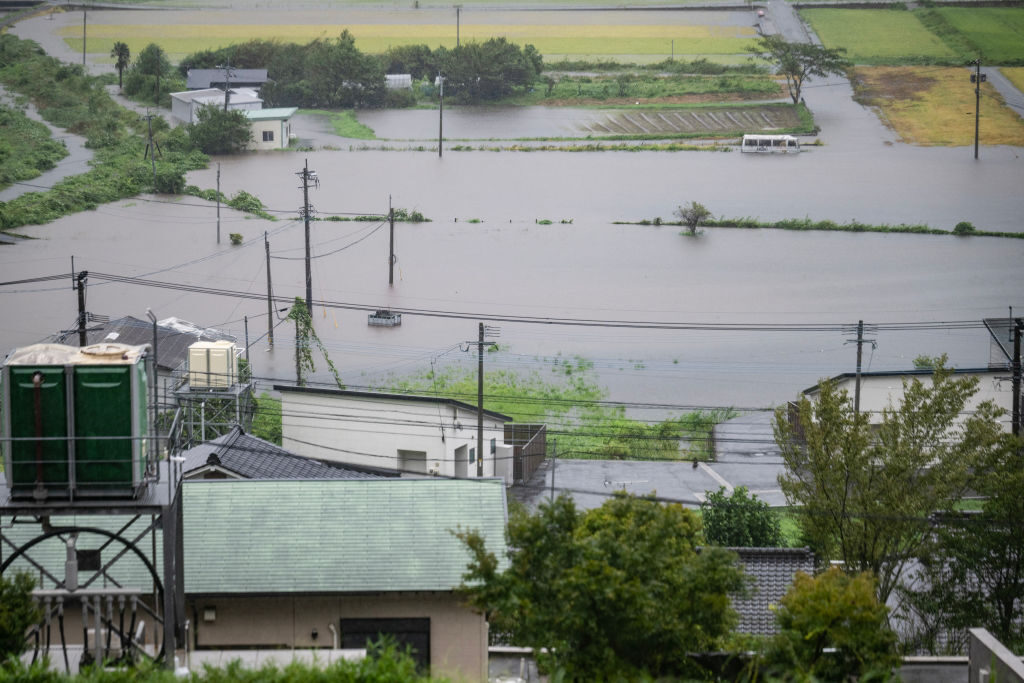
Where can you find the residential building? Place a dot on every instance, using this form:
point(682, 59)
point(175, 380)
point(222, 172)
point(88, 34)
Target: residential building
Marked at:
point(414, 435)
point(271, 128)
point(185, 105)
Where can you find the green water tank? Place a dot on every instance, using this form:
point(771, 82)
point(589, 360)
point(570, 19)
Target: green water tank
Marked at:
point(75, 420)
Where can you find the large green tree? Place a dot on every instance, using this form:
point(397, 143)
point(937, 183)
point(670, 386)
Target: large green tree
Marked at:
point(799, 61)
point(973, 572)
point(150, 66)
point(832, 628)
point(339, 75)
point(611, 592)
point(740, 520)
point(867, 491)
point(122, 58)
point(220, 132)
point(476, 72)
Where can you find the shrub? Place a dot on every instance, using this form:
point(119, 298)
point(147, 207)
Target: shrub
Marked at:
point(740, 520)
point(963, 228)
point(236, 238)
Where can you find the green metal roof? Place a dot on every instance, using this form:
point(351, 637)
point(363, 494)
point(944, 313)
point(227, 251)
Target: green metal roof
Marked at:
point(332, 536)
point(278, 114)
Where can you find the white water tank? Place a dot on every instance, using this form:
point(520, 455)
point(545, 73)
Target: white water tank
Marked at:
point(212, 365)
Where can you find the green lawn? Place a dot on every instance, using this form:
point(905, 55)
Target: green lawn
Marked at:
point(997, 31)
point(878, 36)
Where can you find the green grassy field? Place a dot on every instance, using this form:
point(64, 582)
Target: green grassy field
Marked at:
point(1016, 76)
point(625, 42)
point(877, 36)
point(997, 31)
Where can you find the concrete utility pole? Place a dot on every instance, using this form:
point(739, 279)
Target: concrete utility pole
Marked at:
point(308, 176)
point(391, 250)
point(859, 341)
point(977, 78)
point(218, 202)
point(227, 83)
point(440, 118)
point(82, 277)
point(270, 296)
point(483, 330)
point(458, 12)
point(1018, 327)
point(83, 37)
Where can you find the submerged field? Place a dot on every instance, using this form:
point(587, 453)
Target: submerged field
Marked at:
point(935, 106)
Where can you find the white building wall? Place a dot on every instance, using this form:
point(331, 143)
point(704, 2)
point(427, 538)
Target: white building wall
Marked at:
point(876, 393)
point(387, 433)
point(278, 130)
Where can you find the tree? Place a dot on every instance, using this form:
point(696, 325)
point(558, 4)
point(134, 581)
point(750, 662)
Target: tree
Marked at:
point(611, 592)
point(740, 520)
point(339, 75)
point(122, 58)
point(799, 61)
point(692, 216)
point(973, 571)
point(867, 492)
point(18, 611)
point(832, 610)
point(220, 132)
point(477, 72)
point(152, 61)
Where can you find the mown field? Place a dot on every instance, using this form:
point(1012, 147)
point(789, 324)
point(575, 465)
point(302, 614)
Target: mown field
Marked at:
point(877, 36)
point(997, 31)
point(935, 106)
point(632, 42)
point(927, 35)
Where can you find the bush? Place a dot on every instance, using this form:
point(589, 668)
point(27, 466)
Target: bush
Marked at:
point(17, 612)
point(963, 228)
point(740, 520)
point(236, 238)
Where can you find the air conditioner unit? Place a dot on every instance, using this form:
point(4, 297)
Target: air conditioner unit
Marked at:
point(212, 365)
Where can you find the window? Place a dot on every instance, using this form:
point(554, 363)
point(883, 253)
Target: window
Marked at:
point(472, 455)
point(356, 633)
point(268, 136)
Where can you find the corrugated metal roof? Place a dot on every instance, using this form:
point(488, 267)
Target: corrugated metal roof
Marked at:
point(335, 536)
point(271, 114)
point(250, 457)
point(383, 396)
point(204, 78)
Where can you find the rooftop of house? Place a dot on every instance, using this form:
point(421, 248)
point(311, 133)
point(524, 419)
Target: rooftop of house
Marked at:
point(198, 79)
point(174, 336)
point(383, 396)
point(275, 114)
point(330, 536)
point(216, 96)
point(237, 455)
point(772, 571)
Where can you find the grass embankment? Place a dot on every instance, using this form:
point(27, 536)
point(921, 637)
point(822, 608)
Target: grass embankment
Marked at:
point(575, 410)
point(67, 98)
point(935, 106)
point(1015, 75)
point(806, 225)
point(344, 123)
point(26, 147)
point(643, 42)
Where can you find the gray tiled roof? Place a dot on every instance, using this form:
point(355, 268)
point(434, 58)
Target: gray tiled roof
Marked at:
point(204, 78)
point(250, 457)
point(276, 537)
point(772, 571)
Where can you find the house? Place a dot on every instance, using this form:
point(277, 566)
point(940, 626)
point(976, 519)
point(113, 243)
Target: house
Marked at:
point(204, 79)
point(358, 557)
point(414, 435)
point(185, 105)
point(288, 565)
point(271, 128)
point(237, 455)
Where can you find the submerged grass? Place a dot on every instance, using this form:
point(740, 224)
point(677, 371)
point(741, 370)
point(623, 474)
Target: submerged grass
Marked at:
point(344, 123)
point(573, 406)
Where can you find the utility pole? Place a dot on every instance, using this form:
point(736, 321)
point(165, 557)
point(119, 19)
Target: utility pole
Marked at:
point(227, 82)
point(859, 341)
point(458, 11)
point(977, 78)
point(298, 356)
point(391, 250)
point(440, 118)
point(1018, 327)
point(480, 343)
point(82, 277)
point(218, 203)
point(308, 176)
point(83, 36)
point(270, 296)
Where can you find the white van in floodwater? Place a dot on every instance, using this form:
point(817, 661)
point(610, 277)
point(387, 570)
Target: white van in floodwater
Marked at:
point(769, 144)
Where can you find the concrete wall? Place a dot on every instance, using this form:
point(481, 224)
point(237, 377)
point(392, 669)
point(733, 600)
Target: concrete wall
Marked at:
point(458, 636)
point(371, 432)
point(991, 661)
point(877, 392)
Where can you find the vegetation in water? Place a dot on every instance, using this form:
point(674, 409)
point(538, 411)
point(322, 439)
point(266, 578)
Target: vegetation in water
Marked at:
point(26, 147)
point(574, 408)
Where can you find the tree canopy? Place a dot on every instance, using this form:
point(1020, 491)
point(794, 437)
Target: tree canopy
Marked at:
point(122, 58)
point(867, 492)
point(740, 520)
point(18, 611)
point(613, 591)
point(799, 61)
point(220, 132)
